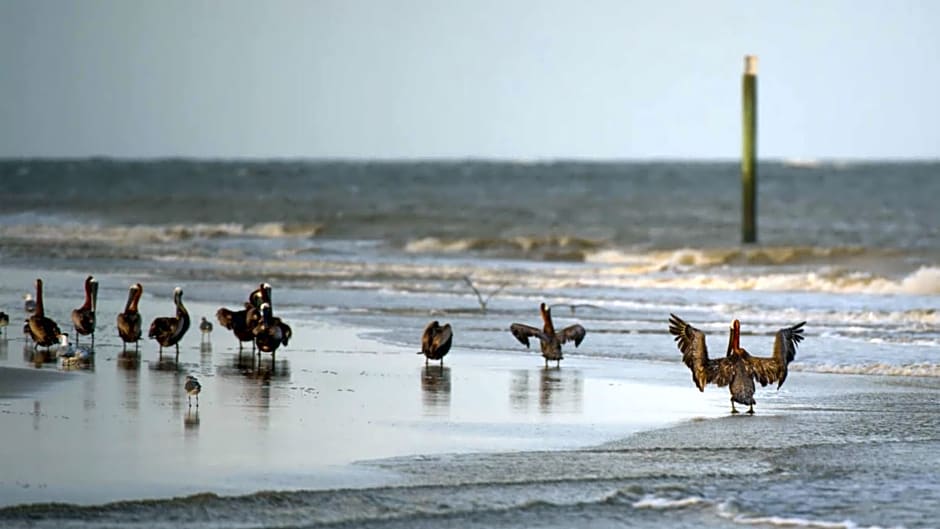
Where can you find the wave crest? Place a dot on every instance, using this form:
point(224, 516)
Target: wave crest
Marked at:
point(555, 247)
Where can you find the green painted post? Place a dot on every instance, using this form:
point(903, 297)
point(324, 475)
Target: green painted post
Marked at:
point(749, 153)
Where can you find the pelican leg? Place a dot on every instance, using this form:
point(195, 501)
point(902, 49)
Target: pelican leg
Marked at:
point(442, 363)
point(546, 363)
point(558, 363)
point(426, 360)
point(750, 410)
point(733, 410)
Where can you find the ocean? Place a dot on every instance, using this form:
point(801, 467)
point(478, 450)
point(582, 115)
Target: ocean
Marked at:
point(852, 248)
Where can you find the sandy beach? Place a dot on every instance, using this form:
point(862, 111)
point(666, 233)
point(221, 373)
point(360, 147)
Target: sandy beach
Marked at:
point(123, 429)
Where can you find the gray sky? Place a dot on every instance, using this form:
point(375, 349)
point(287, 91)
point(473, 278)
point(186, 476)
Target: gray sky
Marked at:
point(453, 78)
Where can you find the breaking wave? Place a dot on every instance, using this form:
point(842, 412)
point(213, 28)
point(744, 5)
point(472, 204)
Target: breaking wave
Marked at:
point(923, 281)
point(554, 247)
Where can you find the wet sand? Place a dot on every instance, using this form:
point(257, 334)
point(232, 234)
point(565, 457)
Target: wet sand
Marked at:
point(123, 429)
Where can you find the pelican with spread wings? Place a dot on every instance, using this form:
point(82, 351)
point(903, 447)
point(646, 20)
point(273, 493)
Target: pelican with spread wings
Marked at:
point(550, 340)
point(738, 369)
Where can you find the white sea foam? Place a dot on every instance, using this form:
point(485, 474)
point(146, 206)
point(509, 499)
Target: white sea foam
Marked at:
point(924, 281)
point(728, 512)
point(920, 369)
point(655, 502)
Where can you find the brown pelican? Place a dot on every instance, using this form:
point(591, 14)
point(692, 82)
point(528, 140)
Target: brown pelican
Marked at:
point(237, 322)
point(268, 335)
point(550, 340)
point(128, 322)
point(738, 369)
point(4, 321)
point(170, 330)
point(83, 318)
point(436, 341)
point(286, 331)
point(205, 327)
point(41, 329)
point(192, 387)
point(242, 322)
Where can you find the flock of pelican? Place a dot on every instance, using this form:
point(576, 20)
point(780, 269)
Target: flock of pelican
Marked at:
point(255, 322)
point(737, 369)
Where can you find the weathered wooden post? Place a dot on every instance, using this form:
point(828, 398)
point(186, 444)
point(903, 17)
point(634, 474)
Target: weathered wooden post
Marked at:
point(749, 153)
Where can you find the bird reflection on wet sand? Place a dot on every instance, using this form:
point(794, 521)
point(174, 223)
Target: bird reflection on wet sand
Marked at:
point(191, 419)
point(559, 390)
point(435, 388)
point(255, 366)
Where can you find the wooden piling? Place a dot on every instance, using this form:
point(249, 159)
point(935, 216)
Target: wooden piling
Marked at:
point(749, 153)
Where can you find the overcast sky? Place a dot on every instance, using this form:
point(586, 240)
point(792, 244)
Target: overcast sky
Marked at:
point(453, 78)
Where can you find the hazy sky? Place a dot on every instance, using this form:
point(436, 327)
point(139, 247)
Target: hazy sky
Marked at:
point(454, 78)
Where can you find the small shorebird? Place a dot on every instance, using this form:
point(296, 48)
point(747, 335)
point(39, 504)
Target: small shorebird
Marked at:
point(205, 327)
point(436, 341)
point(738, 369)
point(128, 322)
point(83, 318)
point(73, 355)
point(192, 387)
point(44, 331)
point(169, 330)
point(4, 321)
point(29, 304)
point(550, 340)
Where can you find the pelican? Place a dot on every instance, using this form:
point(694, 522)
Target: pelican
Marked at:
point(436, 341)
point(83, 318)
point(550, 340)
point(286, 331)
point(205, 326)
point(242, 322)
point(4, 321)
point(192, 387)
point(170, 330)
point(128, 322)
point(268, 335)
point(738, 369)
point(41, 329)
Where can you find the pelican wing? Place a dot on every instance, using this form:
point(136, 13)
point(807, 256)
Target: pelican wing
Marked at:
point(443, 336)
point(691, 343)
point(571, 333)
point(428, 337)
point(774, 369)
point(522, 333)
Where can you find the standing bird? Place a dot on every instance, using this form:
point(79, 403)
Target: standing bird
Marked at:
point(169, 330)
point(205, 327)
point(83, 318)
point(128, 322)
point(29, 304)
point(192, 387)
point(738, 369)
point(550, 340)
point(286, 331)
point(4, 321)
point(42, 330)
point(436, 341)
point(268, 336)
